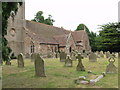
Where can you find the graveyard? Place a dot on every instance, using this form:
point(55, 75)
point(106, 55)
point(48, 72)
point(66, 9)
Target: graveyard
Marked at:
point(37, 54)
point(57, 75)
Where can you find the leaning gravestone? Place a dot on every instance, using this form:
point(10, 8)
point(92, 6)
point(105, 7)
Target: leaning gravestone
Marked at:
point(80, 66)
point(111, 68)
point(20, 60)
point(68, 62)
point(92, 57)
point(62, 56)
point(39, 66)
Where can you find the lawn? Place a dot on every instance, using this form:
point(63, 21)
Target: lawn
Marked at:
point(58, 76)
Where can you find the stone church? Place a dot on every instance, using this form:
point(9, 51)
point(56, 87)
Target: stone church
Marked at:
point(28, 37)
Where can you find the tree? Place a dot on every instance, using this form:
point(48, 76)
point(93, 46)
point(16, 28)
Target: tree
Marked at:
point(109, 38)
point(7, 7)
point(40, 18)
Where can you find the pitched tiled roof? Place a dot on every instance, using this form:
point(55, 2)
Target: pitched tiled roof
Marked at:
point(78, 35)
point(51, 34)
point(61, 39)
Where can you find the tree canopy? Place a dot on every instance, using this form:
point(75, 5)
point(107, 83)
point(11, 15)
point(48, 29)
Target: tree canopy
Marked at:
point(40, 18)
point(7, 7)
point(109, 37)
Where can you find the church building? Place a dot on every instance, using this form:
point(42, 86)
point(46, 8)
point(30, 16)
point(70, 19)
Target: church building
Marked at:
point(29, 37)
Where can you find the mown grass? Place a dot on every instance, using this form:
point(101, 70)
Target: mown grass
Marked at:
point(58, 76)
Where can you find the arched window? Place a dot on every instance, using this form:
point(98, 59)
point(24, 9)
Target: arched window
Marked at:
point(32, 47)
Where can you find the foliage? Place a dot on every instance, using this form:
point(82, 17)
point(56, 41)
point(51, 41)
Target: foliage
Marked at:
point(7, 7)
point(109, 38)
point(83, 27)
point(40, 18)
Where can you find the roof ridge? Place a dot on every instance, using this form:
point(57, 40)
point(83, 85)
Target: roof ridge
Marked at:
point(48, 25)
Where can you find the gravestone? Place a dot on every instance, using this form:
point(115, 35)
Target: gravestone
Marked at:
point(101, 54)
point(108, 54)
point(113, 54)
point(98, 56)
point(97, 52)
point(80, 66)
point(92, 57)
point(68, 62)
point(62, 56)
point(27, 55)
point(20, 60)
point(111, 68)
point(39, 66)
point(32, 57)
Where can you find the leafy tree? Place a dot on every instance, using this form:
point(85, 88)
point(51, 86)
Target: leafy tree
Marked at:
point(83, 27)
point(40, 18)
point(7, 7)
point(109, 38)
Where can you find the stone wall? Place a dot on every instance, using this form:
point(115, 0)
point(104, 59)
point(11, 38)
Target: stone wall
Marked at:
point(15, 31)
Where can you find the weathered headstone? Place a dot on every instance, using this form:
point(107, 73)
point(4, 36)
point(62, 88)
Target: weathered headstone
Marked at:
point(68, 62)
point(27, 55)
point(97, 52)
point(97, 55)
point(108, 54)
point(92, 57)
point(39, 66)
point(32, 57)
point(113, 54)
point(80, 66)
point(62, 56)
point(111, 68)
point(101, 54)
point(20, 60)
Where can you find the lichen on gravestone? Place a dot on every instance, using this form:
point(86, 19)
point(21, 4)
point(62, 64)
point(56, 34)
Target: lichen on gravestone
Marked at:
point(20, 60)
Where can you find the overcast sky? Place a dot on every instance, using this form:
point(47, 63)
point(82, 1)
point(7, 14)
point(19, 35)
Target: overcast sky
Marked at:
point(70, 13)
